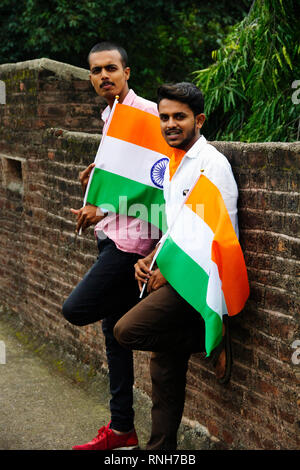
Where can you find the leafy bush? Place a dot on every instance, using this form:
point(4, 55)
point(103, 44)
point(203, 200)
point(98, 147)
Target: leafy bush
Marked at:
point(166, 39)
point(248, 89)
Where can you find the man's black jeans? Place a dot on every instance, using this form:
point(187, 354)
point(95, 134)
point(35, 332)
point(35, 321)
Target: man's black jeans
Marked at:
point(107, 292)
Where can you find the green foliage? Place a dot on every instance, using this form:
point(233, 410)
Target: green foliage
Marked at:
point(248, 89)
point(166, 39)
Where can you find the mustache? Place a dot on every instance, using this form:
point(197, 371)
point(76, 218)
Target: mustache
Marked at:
point(173, 130)
point(106, 83)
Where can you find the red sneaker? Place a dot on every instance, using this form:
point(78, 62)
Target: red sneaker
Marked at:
point(107, 439)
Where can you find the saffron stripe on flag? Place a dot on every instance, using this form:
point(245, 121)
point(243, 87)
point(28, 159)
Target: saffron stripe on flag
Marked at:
point(138, 127)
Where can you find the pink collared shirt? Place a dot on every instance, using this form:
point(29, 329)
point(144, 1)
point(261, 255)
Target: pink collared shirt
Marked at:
point(129, 233)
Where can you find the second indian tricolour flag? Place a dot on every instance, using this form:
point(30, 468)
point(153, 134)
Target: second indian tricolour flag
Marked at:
point(130, 165)
point(202, 259)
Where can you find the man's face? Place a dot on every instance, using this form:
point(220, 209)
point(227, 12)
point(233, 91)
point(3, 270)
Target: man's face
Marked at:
point(179, 126)
point(108, 76)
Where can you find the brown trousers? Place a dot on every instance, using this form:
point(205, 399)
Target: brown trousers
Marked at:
point(167, 325)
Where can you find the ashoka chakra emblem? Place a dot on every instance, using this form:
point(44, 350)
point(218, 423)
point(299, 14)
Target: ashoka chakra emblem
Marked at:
point(158, 171)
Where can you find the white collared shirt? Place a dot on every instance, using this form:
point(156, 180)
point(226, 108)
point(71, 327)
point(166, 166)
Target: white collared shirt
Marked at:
point(202, 158)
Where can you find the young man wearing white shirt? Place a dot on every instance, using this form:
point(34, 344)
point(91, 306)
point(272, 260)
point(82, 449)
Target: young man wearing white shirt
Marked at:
point(164, 322)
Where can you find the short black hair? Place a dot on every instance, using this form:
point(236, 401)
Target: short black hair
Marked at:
point(184, 92)
point(110, 46)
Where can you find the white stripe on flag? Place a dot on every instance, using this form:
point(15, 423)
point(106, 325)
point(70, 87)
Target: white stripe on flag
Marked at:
point(188, 228)
point(137, 164)
point(215, 297)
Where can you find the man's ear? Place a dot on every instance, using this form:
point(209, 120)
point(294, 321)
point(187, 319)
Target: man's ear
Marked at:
point(91, 80)
point(200, 118)
point(127, 72)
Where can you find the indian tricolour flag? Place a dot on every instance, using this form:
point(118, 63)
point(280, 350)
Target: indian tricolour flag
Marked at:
point(130, 165)
point(202, 259)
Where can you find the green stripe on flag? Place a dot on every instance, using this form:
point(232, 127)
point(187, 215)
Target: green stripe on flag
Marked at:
point(190, 281)
point(127, 197)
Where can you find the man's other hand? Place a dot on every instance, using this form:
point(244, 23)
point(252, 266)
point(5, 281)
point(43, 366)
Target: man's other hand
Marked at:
point(84, 176)
point(156, 281)
point(87, 216)
point(142, 269)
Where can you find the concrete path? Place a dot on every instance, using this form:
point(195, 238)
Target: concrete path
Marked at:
point(44, 408)
point(49, 401)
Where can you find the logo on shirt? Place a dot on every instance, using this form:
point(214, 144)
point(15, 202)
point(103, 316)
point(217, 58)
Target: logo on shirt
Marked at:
point(158, 171)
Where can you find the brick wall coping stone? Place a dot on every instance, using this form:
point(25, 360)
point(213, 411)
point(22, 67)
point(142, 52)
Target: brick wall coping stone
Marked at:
point(73, 135)
point(65, 71)
point(222, 146)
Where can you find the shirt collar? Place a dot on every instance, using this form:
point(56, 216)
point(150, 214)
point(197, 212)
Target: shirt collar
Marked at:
point(196, 148)
point(128, 100)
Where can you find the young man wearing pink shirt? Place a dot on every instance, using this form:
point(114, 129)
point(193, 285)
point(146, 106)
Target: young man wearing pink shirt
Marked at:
point(109, 289)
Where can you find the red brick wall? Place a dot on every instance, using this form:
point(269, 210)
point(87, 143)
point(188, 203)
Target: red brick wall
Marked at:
point(52, 125)
point(260, 407)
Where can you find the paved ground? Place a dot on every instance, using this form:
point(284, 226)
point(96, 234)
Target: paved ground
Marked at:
point(50, 402)
point(44, 408)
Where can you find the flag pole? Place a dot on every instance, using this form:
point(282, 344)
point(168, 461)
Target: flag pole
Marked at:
point(153, 261)
point(98, 153)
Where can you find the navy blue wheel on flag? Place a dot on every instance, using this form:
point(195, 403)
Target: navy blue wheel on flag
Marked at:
point(158, 171)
